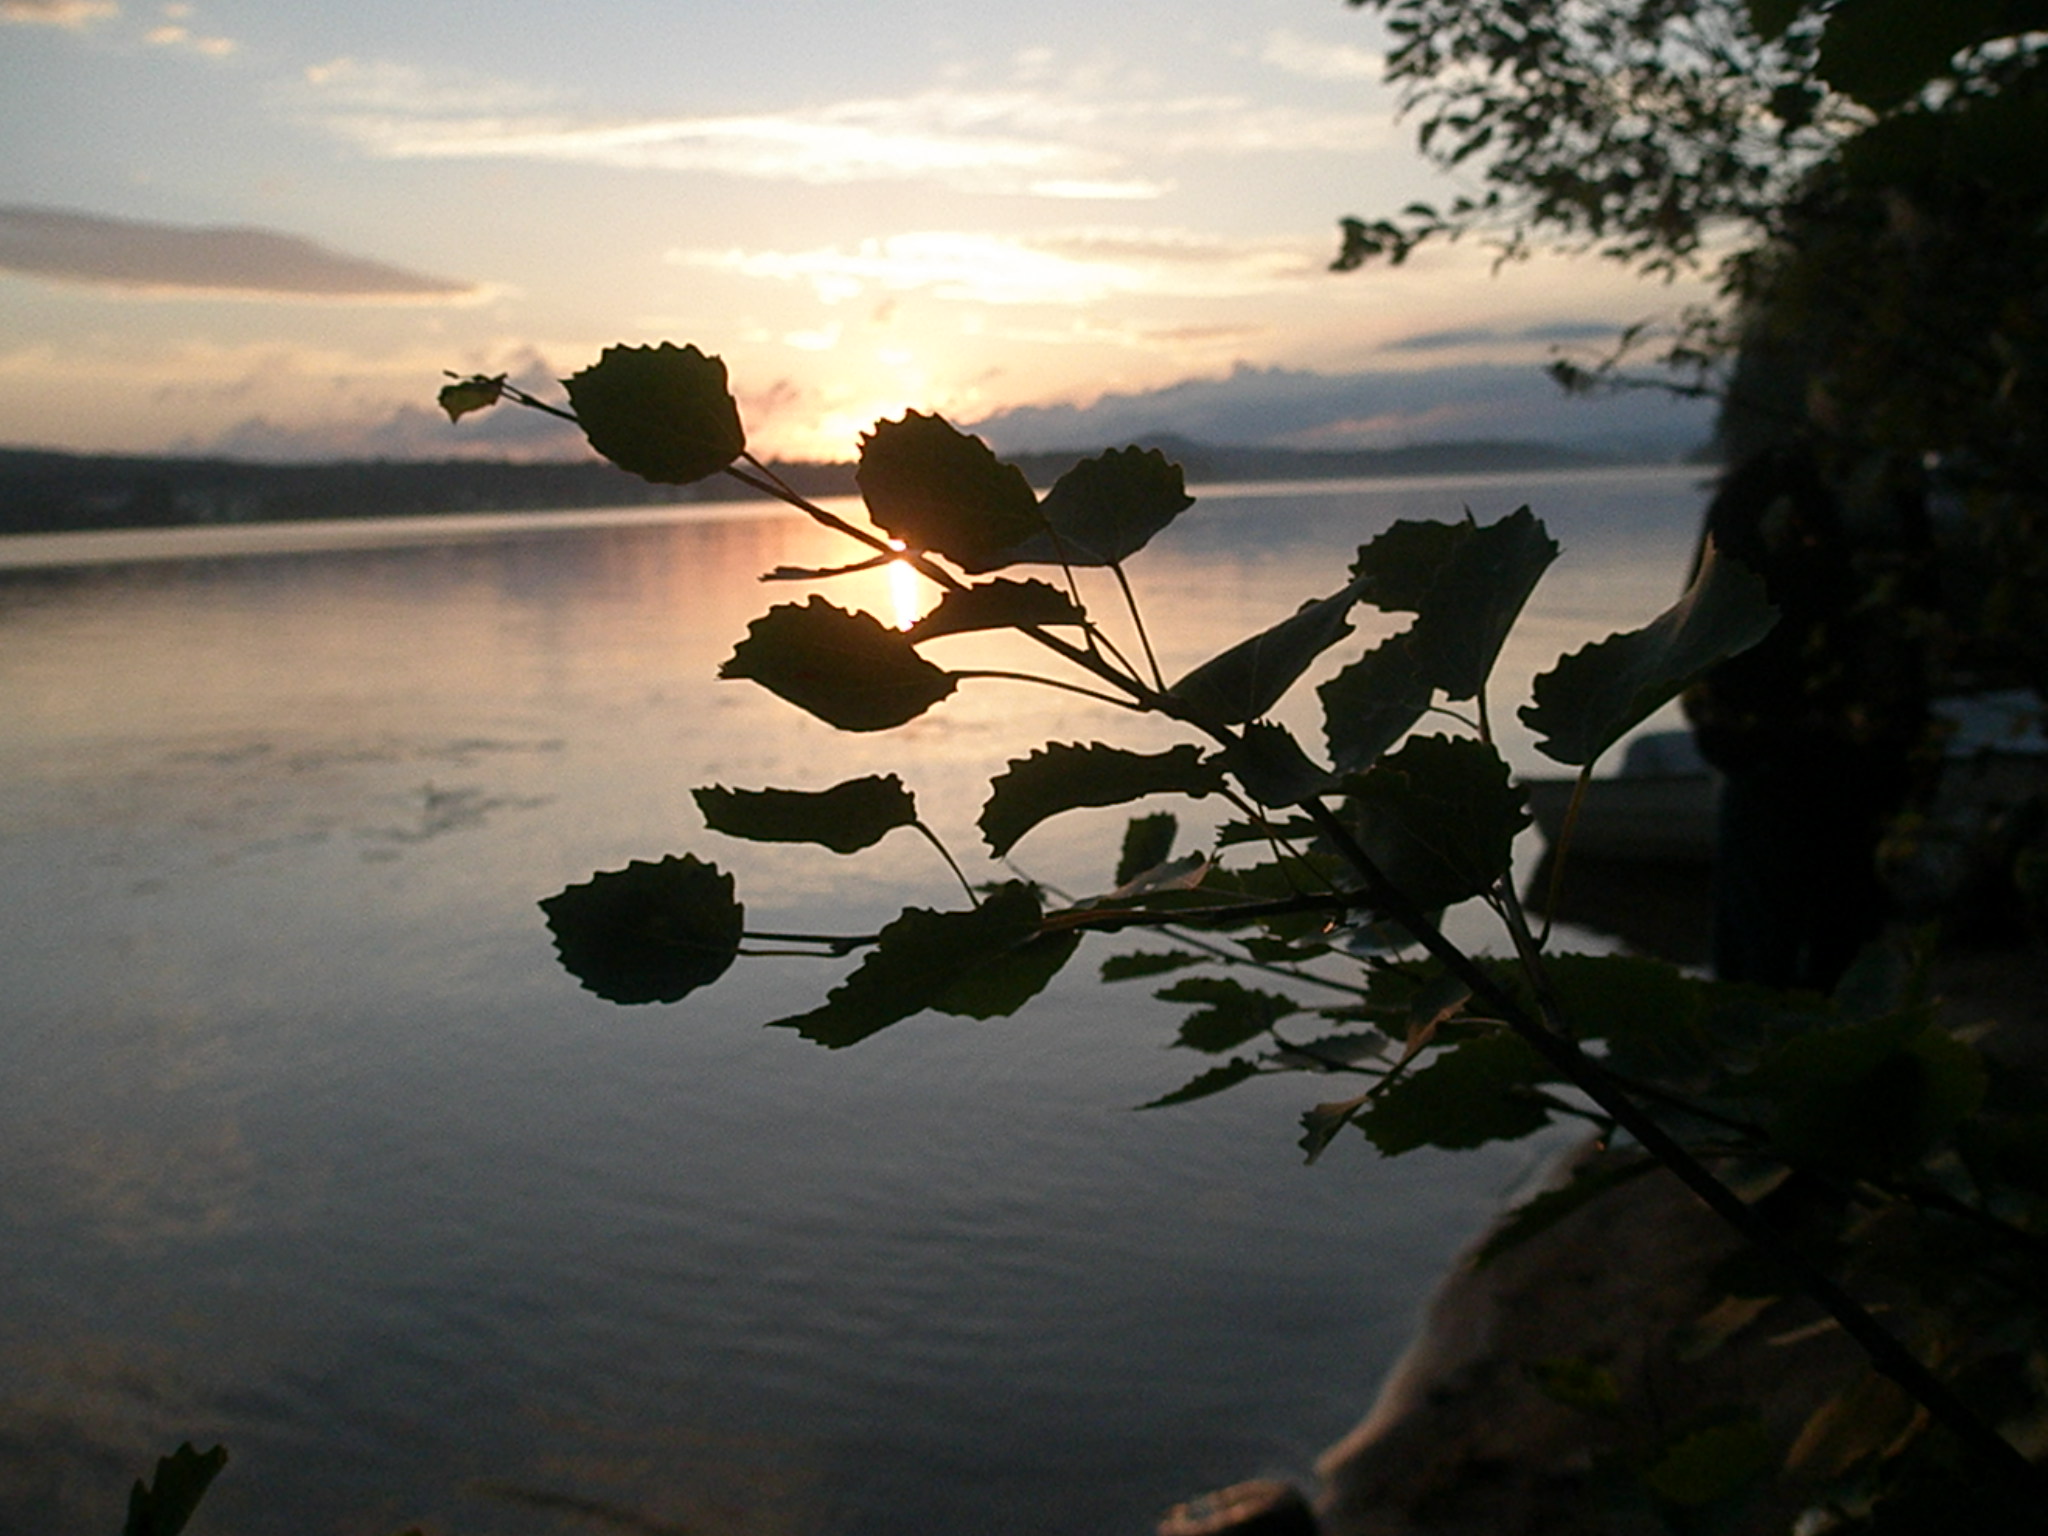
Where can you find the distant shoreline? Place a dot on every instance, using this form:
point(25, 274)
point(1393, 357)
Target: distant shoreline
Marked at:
point(51, 492)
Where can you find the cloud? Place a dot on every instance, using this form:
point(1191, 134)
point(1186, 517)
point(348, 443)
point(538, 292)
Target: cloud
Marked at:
point(1032, 140)
point(1493, 336)
point(1278, 407)
point(1298, 55)
point(411, 430)
point(171, 35)
point(156, 258)
point(1062, 268)
point(57, 13)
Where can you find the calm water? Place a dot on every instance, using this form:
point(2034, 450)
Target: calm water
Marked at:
point(311, 1148)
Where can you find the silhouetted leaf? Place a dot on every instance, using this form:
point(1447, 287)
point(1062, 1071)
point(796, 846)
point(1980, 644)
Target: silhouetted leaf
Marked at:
point(827, 572)
point(1320, 1125)
point(1249, 678)
point(1002, 983)
point(663, 413)
point(472, 394)
point(1105, 509)
point(648, 933)
point(848, 669)
point(1065, 777)
point(1465, 583)
point(1277, 880)
point(1596, 695)
point(181, 1481)
point(956, 962)
point(936, 488)
point(1232, 1013)
point(1647, 1011)
point(1871, 1097)
point(1373, 703)
point(1183, 874)
point(845, 818)
point(1271, 766)
point(1150, 962)
point(1438, 817)
point(998, 604)
point(1148, 843)
point(1463, 1098)
point(1769, 18)
point(1882, 52)
point(1215, 1080)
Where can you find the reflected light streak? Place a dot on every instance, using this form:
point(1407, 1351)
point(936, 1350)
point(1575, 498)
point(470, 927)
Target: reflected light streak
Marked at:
point(903, 598)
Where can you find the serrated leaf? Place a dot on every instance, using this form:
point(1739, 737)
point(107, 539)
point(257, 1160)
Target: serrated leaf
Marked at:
point(998, 604)
point(167, 1503)
point(1439, 817)
point(1870, 1097)
point(1150, 962)
point(663, 413)
point(1320, 1125)
point(1185, 873)
point(1596, 695)
point(1770, 18)
point(1373, 703)
point(846, 818)
point(1272, 767)
point(937, 488)
point(1148, 843)
point(1883, 52)
point(827, 572)
point(1466, 585)
point(848, 669)
point(925, 959)
point(648, 933)
point(1232, 1013)
point(1464, 1098)
point(1215, 1080)
point(997, 985)
point(1065, 777)
point(1248, 679)
point(1648, 1012)
point(1105, 509)
point(1277, 880)
point(472, 394)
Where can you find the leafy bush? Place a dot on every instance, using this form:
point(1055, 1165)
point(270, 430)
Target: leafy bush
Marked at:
point(1921, 1163)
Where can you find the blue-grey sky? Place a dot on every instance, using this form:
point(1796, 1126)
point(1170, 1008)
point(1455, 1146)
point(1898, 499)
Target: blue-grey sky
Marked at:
point(231, 223)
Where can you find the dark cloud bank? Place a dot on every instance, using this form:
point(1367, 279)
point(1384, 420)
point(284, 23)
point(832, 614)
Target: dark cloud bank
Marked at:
point(129, 253)
point(1284, 408)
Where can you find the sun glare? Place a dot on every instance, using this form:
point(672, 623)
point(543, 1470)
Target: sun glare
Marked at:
point(903, 595)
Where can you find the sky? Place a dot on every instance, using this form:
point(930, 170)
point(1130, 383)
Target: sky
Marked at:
point(268, 229)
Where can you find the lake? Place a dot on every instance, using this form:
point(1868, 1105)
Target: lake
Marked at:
point(313, 1150)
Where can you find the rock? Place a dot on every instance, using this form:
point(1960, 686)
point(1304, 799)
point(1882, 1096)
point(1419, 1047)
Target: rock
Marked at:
point(1463, 1441)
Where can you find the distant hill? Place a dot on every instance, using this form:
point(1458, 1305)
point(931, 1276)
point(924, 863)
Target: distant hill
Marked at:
point(43, 492)
point(46, 492)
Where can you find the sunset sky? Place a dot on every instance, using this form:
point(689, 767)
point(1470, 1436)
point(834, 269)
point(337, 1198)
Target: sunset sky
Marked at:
point(267, 229)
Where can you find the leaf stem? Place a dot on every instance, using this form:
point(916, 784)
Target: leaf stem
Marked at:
point(1138, 623)
point(1562, 848)
point(1050, 682)
point(832, 943)
point(951, 863)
